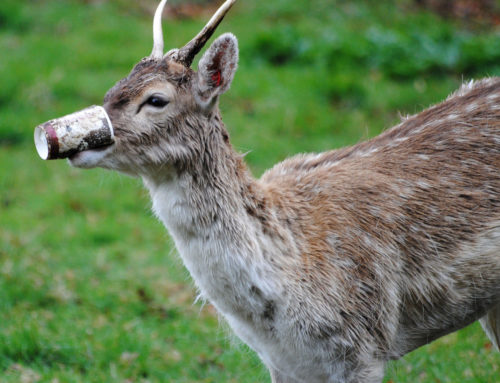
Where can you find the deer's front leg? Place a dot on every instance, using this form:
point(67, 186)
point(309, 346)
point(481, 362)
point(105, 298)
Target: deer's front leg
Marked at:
point(278, 377)
point(372, 372)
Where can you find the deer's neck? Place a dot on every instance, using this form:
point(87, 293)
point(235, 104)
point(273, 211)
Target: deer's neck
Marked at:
point(205, 210)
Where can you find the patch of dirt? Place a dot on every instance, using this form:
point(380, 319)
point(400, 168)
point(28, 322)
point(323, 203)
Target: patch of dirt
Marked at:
point(175, 9)
point(470, 11)
point(178, 10)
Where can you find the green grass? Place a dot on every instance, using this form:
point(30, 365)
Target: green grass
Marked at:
point(91, 289)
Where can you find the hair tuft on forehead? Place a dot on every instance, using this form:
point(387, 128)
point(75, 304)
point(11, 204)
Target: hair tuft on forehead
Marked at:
point(143, 74)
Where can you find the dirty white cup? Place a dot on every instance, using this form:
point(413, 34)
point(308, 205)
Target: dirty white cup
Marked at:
point(89, 128)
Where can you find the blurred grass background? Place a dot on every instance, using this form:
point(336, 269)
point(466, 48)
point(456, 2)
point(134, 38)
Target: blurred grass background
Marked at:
point(91, 289)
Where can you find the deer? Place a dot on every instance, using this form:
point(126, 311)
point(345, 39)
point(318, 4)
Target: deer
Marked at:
point(330, 264)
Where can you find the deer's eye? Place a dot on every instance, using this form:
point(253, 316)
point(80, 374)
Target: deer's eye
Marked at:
point(156, 101)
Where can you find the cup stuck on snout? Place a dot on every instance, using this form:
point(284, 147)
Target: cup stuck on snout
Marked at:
point(62, 137)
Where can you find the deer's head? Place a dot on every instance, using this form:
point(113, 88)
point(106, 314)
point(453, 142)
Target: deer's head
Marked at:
point(164, 113)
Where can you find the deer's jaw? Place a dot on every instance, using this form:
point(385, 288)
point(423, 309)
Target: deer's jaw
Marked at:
point(93, 158)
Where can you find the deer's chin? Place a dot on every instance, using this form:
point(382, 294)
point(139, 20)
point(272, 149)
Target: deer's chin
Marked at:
point(91, 158)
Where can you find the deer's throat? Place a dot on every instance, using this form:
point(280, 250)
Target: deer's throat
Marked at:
point(213, 233)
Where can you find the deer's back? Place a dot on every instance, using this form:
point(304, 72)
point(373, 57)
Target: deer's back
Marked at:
point(411, 216)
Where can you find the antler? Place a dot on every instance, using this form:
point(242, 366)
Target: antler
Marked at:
point(186, 54)
point(157, 52)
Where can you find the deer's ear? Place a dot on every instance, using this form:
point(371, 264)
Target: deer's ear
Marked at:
point(216, 69)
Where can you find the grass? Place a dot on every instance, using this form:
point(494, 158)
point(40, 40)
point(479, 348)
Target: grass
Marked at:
point(91, 289)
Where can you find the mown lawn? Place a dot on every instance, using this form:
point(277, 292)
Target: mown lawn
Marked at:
point(91, 289)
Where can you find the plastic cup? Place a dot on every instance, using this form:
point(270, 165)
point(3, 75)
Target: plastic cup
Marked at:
point(86, 129)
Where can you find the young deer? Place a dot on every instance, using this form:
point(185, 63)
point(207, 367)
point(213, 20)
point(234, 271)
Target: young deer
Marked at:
point(331, 263)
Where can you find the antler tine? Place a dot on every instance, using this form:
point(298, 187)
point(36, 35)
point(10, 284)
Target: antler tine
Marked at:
point(157, 52)
point(187, 53)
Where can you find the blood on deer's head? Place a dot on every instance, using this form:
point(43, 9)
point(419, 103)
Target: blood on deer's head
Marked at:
point(162, 111)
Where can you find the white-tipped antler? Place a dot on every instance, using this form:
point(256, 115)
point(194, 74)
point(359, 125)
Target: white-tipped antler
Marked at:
point(187, 53)
point(157, 52)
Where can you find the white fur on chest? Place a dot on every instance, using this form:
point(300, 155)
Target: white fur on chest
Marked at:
point(231, 271)
point(225, 266)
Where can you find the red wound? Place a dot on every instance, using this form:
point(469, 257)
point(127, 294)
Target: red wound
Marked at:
point(217, 78)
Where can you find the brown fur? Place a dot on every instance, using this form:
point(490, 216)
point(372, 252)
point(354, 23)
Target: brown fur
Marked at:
point(331, 263)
